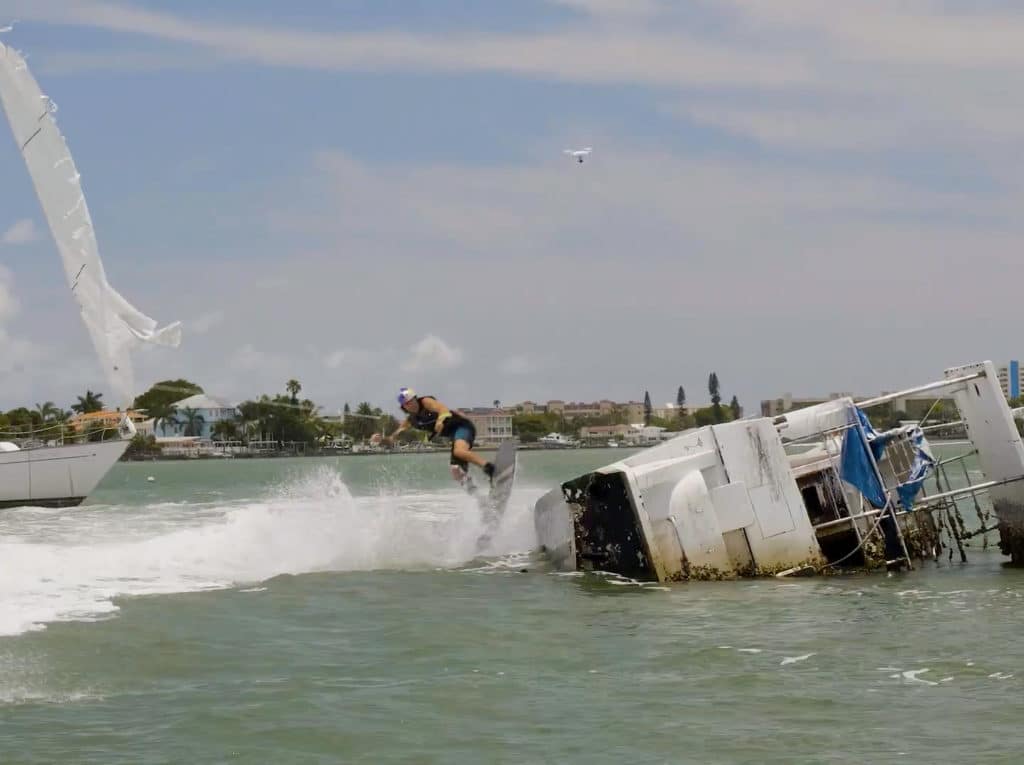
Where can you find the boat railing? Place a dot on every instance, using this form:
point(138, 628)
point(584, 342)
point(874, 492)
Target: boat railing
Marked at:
point(948, 492)
point(58, 433)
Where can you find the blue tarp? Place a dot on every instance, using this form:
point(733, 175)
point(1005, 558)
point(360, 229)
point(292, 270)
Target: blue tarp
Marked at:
point(857, 470)
point(877, 441)
point(855, 462)
point(919, 470)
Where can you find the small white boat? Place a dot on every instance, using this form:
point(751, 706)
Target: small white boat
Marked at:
point(54, 476)
point(558, 441)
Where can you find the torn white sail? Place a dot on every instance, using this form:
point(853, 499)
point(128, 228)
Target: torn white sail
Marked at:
point(113, 323)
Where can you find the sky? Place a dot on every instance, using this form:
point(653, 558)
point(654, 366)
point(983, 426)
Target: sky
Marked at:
point(801, 196)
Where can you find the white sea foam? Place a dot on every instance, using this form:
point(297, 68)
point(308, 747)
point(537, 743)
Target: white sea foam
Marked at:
point(72, 564)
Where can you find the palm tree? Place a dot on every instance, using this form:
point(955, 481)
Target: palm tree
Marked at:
point(163, 414)
point(293, 387)
point(192, 421)
point(497, 404)
point(225, 430)
point(62, 428)
point(47, 411)
point(90, 402)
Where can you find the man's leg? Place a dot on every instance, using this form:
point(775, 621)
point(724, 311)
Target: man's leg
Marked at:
point(462, 452)
point(460, 473)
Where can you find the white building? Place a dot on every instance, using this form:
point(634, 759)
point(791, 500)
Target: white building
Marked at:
point(643, 435)
point(492, 425)
point(208, 412)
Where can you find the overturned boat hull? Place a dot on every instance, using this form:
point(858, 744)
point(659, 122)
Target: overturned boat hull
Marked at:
point(803, 492)
point(715, 502)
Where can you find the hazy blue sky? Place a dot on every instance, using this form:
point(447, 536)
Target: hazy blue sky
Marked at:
point(802, 196)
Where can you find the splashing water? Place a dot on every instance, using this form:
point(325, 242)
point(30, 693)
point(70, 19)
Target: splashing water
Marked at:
point(71, 564)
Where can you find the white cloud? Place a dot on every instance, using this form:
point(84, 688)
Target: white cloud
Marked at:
point(772, 251)
point(801, 129)
point(518, 365)
point(777, 258)
point(921, 32)
point(22, 232)
point(432, 354)
point(8, 300)
point(247, 358)
point(335, 359)
point(572, 54)
point(356, 359)
point(614, 10)
point(205, 322)
point(19, 357)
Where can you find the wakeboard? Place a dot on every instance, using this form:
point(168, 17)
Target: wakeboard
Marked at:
point(494, 504)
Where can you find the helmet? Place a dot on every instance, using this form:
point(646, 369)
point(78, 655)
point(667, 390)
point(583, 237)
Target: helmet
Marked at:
point(405, 395)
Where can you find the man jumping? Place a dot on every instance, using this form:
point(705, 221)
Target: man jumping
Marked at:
point(428, 414)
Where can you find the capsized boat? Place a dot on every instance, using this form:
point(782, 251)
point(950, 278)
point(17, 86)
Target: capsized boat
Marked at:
point(805, 492)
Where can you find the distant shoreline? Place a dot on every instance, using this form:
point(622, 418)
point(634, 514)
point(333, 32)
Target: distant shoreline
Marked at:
point(405, 452)
point(339, 453)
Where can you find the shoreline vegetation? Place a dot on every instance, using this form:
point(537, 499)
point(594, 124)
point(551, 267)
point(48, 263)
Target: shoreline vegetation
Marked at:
point(283, 425)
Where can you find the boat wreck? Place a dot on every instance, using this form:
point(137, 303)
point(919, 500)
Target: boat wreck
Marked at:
point(806, 492)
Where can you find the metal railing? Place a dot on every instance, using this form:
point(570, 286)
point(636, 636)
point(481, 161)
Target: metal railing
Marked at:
point(59, 433)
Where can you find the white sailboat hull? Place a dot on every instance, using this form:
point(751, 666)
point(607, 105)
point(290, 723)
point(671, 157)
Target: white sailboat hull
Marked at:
point(56, 476)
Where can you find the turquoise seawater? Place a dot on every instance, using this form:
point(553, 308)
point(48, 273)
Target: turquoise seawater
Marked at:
point(333, 611)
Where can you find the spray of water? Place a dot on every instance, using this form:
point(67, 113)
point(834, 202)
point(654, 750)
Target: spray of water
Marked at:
point(72, 564)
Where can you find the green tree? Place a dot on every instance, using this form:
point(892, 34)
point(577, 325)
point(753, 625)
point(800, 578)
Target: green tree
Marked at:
point(163, 414)
point(681, 405)
point(164, 393)
point(278, 419)
point(47, 411)
point(251, 419)
point(90, 402)
point(708, 416)
point(293, 387)
point(49, 425)
point(364, 422)
point(22, 422)
point(141, 446)
point(225, 430)
point(532, 427)
point(734, 408)
point(648, 409)
point(716, 398)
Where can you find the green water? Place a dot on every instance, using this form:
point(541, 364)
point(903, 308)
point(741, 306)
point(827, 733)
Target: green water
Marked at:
point(327, 611)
